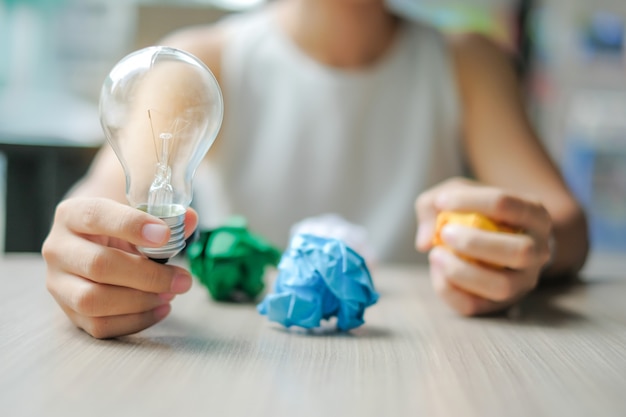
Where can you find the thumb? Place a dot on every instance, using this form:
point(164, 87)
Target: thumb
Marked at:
point(426, 213)
point(191, 222)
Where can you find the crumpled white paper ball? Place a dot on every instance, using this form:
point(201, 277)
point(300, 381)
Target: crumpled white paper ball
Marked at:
point(332, 225)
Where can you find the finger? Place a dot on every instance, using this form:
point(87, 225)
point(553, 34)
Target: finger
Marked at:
point(100, 300)
point(460, 301)
point(191, 222)
point(488, 283)
point(112, 266)
point(516, 251)
point(114, 326)
point(500, 206)
point(100, 216)
point(426, 219)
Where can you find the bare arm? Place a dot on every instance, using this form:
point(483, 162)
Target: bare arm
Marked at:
point(94, 270)
point(504, 151)
point(105, 178)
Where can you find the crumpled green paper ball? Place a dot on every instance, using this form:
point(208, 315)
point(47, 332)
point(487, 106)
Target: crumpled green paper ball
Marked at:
point(230, 261)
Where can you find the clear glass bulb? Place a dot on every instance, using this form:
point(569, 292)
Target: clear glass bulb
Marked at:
point(161, 109)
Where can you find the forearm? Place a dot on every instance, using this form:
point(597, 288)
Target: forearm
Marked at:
point(105, 178)
point(569, 246)
point(88, 187)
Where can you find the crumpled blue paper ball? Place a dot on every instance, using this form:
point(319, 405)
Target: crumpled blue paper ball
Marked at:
point(319, 278)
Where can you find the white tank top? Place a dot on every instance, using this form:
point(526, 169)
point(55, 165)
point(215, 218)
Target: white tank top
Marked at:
point(302, 139)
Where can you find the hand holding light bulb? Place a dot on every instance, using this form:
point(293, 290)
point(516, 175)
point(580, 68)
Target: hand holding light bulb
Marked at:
point(161, 109)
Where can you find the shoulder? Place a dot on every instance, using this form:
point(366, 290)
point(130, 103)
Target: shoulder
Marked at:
point(422, 32)
point(209, 42)
point(205, 42)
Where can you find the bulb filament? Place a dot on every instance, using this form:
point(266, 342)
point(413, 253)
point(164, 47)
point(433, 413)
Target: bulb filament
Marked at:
point(161, 193)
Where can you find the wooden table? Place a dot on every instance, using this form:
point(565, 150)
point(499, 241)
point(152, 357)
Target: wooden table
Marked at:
point(562, 353)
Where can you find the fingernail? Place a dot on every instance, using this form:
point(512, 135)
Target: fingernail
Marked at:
point(449, 233)
point(436, 256)
point(167, 296)
point(155, 233)
point(424, 234)
point(181, 283)
point(162, 311)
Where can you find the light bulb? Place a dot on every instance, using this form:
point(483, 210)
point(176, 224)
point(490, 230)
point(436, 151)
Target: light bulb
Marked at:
point(161, 109)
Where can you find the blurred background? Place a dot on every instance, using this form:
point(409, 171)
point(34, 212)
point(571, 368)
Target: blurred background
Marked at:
point(570, 54)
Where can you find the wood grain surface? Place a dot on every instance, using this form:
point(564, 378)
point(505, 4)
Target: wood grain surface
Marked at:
point(561, 352)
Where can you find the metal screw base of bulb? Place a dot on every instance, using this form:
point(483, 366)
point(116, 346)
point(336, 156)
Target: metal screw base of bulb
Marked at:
point(174, 245)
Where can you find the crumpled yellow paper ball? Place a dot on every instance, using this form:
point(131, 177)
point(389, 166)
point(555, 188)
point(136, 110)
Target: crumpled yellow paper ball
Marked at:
point(476, 220)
